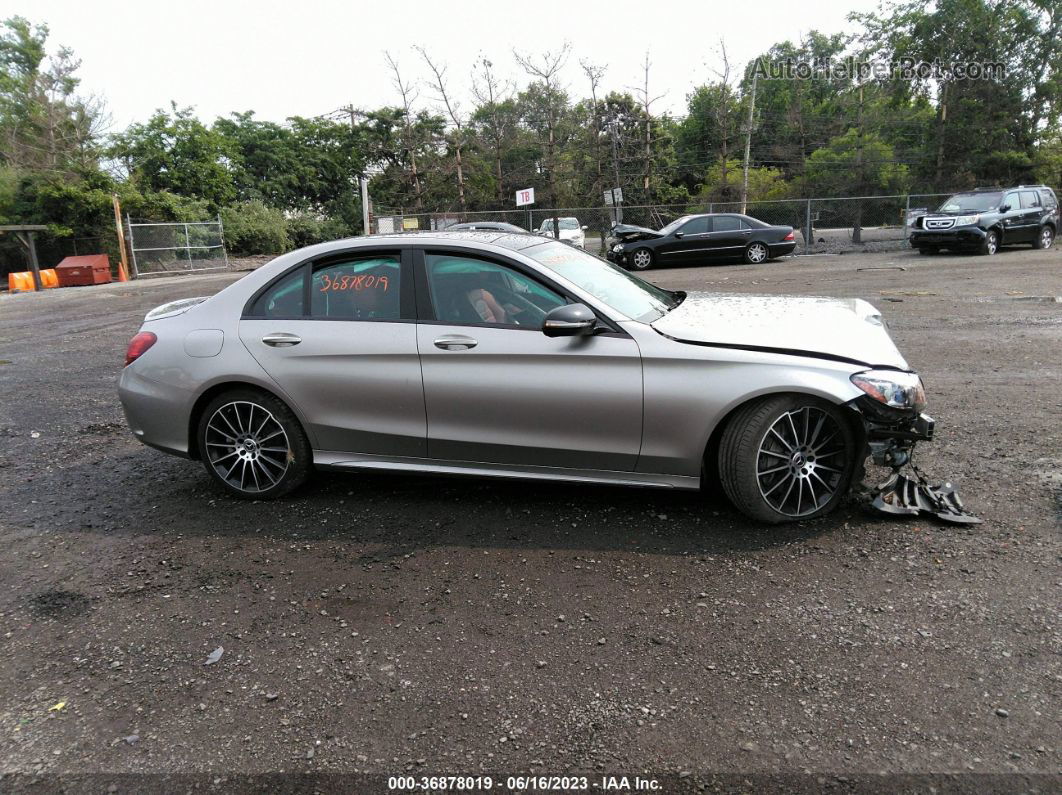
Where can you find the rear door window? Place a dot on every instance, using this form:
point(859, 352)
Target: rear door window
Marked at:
point(1029, 199)
point(726, 223)
point(357, 288)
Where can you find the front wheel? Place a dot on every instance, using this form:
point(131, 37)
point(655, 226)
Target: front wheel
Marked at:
point(991, 242)
point(252, 445)
point(1045, 239)
point(756, 253)
point(787, 458)
point(641, 259)
point(928, 250)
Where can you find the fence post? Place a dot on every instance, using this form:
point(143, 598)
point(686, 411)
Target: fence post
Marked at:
point(906, 215)
point(221, 237)
point(808, 232)
point(135, 272)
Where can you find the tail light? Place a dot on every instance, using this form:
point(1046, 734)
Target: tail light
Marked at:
point(789, 236)
point(138, 345)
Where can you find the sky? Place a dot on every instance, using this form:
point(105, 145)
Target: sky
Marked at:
point(311, 57)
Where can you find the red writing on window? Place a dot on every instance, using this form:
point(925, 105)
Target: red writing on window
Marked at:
point(360, 281)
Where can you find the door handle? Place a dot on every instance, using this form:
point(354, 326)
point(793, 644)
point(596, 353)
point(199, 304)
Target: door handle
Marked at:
point(281, 340)
point(455, 342)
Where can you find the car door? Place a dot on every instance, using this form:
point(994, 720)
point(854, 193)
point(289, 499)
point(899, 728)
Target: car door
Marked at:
point(498, 390)
point(729, 236)
point(339, 336)
point(1013, 220)
point(692, 240)
point(1031, 212)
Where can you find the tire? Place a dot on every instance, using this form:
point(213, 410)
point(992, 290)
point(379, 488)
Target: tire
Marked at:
point(758, 458)
point(641, 259)
point(757, 252)
point(991, 243)
point(1045, 239)
point(261, 438)
point(928, 251)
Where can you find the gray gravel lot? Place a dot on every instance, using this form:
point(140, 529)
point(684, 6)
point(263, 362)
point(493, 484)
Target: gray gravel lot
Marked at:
point(388, 624)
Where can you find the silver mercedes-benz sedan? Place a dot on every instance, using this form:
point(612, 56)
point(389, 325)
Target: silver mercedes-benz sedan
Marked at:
point(509, 355)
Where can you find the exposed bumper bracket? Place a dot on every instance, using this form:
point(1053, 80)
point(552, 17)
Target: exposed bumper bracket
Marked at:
point(891, 440)
point(902, 495)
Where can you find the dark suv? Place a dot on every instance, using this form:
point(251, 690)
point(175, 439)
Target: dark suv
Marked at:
point(985, 219)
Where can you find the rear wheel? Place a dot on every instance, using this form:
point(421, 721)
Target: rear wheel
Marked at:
point(641, 259)
point(253, 445)
point(1045, 239)
point(756, 253)
point(787, 458)
point(991, 242)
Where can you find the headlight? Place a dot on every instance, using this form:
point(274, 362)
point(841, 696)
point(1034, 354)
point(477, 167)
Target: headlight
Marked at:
point(618, 248)
point(893, 388)
point(967, 220)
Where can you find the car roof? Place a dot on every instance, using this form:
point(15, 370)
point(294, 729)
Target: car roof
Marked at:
point(514, 241)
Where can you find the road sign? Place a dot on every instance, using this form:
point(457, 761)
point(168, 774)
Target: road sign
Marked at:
point(614, 196)
point(525, 196)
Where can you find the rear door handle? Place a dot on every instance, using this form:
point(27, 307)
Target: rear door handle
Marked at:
point(281, 339)
point(455, 342)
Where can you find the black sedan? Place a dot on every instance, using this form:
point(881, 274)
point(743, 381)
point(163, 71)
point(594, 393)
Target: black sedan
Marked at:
point(699, 238)
point(485, 226)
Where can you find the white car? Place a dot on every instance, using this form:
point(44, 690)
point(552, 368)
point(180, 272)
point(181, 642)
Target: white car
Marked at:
point(570, 231)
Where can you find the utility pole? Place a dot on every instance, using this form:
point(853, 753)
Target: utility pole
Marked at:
point(748, 145)
point(617, 207)
point(363, 182)
point(857, 225)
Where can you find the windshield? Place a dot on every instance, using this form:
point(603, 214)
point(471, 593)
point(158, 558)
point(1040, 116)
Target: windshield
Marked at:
point(565, 223)
point(977, 202)
point(675, 224)
point(622, 291)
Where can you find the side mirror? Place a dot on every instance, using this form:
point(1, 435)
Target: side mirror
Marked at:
point(585, 227)
point(570, 320)
point(1004, 208)
point(679, 235)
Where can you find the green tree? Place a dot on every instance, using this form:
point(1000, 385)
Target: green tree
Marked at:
point(176, 152)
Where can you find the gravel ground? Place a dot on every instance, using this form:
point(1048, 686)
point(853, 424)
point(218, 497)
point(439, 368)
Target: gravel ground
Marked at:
point(389, 624)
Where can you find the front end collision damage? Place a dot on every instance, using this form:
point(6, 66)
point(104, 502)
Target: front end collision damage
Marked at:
point(891, 436)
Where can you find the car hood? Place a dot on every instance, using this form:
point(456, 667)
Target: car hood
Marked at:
point(632, 232)
point(848, 330)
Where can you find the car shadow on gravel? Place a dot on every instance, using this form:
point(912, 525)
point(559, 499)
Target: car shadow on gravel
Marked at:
point(402, 513)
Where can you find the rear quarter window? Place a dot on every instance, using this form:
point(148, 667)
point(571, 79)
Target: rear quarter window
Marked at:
point(284, 298)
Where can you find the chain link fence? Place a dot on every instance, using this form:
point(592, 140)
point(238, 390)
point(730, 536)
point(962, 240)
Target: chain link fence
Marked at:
point(822, 225)
point(176, 247)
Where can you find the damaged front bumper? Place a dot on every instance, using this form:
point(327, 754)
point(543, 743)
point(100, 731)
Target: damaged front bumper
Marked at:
point(891, 436)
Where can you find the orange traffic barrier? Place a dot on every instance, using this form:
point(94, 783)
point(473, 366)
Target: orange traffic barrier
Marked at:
point(24, 281)
point(20, 281)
